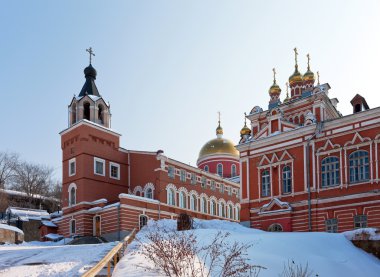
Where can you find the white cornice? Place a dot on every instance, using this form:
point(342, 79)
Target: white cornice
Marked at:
point(91, 124)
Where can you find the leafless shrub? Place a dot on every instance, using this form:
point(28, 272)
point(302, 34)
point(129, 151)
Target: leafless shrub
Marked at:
point(291, 269)
point(179, 254)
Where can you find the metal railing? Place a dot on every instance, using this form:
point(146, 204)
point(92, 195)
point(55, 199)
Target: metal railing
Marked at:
point(112, 256)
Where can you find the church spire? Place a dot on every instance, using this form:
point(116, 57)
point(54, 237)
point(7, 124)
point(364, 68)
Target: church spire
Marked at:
point(89, 87)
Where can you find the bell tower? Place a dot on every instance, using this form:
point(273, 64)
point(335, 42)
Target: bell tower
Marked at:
point(89, 104)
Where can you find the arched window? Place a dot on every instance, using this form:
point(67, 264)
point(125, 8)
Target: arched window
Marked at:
point(296, 120)
point(73, 113)
point(358, 108)
point(72, 227)
point(237, 213)
point(275, 228)
point(72, 194)
point(138, 193)
point(212, 207)
point(222, 212)
point(143, 220)
point(171, 197)
point(359, 166)
point(220, 170)
point(233, 170)
point(86, 111)
point(330, 171)
point(206, 168)
point(193, 202)
point(149, 193)
point(182, 200)
point(302, 119)
point(100, 114)
point(265, 183)
point(230, 212)
point(286, 180)
point(204, 205)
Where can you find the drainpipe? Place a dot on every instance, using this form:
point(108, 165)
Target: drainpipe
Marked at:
point(318, 129)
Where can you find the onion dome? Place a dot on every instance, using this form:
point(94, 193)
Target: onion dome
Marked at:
point(309, 75)
point(296, 76)
point(274, 89)
point(245, 130)
point(90, 72)
point(218, 146)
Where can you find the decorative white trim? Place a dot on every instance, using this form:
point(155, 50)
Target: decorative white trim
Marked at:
point(72, 161)
point(96, 159)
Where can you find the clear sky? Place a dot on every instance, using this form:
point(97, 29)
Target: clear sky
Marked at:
point(168, 67)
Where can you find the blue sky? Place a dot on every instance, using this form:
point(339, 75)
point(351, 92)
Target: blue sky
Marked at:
point(168, 67)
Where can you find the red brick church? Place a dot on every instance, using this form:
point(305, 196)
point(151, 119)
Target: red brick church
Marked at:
point(304, 166)
point(109, 190)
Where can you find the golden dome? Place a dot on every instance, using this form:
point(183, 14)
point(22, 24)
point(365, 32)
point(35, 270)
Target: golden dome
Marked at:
point(218, 146)
point(309, 75)
point(274, 89)
point(296, 77)
point(245, 131)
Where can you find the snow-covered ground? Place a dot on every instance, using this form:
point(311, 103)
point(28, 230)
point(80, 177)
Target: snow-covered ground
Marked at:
point(326, 254)
point(49, 258)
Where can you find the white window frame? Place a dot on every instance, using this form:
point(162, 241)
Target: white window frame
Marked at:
point(233, 170)
point(331, 225)
point(193, 202)
point(182, 200)
point(193, 179)
point(219, 169)
point(171, 197)
point(206, 168)
point(104, 166)
point(72, 186)
point(72, 161)
point(182, 176)
point(118, 170)
point(171, 172)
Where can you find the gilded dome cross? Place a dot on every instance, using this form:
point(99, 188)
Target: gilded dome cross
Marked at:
point(308, 61)
point(295, 55)
point(274, 75)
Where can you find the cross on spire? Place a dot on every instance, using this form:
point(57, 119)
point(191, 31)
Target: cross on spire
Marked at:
point(287, 89)
point(318, 77)
point(219, 118)
point(295, 55)
point(245, 119)
point(91, 53)
point(308, 61)
point(274, 75)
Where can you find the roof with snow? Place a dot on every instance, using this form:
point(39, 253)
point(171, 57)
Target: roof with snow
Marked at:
point(28, 214)
point(48, 223)
point(11, 228)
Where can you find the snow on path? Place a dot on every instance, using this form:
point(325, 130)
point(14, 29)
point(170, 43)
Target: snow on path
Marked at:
point(326, 254)
point(36, 260)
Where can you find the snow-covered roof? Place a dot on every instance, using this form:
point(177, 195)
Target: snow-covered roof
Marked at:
point(56, 214)
point(140, 198)
point(20, 193)
point(29, 214)
point(48, 223)
point(12, 228)
point(52, 236)
point(235, 179)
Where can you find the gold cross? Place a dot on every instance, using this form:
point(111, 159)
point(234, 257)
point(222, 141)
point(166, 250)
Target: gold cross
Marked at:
point(274, 75)
point(89, 50)
point(245, 119)
point(308, 61)
point(318, 77)
point(295, 54)
point(219, 117)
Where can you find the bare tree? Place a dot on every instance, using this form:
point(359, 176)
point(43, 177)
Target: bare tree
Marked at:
point(33, 179)
point(8, 165)
point(178, 253)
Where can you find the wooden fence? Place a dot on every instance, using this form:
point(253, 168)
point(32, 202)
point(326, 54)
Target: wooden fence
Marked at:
point(113, 256)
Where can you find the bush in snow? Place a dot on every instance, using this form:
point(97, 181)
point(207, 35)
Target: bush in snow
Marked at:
point(178, 253)
point(291, 269)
